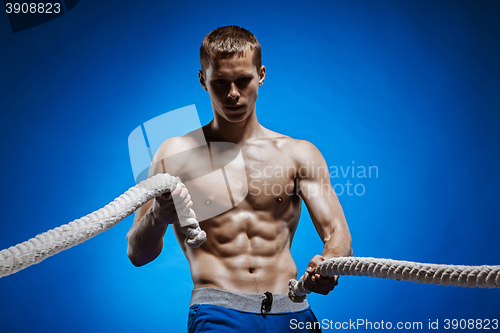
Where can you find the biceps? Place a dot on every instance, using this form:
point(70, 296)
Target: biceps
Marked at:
point(323, 206)
point(317, 191)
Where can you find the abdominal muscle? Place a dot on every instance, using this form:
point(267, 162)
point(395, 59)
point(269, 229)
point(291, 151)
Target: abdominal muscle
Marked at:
point(246, 252)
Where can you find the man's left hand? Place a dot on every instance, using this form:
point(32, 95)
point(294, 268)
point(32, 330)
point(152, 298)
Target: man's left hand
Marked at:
point(315, 282)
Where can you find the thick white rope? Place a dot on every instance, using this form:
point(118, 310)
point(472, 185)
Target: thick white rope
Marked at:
point(455, 275)
point(61, 238)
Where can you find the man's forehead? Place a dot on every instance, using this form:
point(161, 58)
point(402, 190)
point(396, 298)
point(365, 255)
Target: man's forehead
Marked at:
point(237, 62)
point(234, 71)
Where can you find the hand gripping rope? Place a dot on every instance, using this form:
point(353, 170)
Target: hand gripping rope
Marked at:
point(61, 238)
point(455, 275)
point(68, 235)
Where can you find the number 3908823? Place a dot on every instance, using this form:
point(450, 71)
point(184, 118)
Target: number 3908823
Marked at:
point(33, 8)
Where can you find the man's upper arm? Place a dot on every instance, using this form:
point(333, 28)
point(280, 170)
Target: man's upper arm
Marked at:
point(322, 203)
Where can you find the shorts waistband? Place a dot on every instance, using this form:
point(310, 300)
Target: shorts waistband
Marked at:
point(245, 302)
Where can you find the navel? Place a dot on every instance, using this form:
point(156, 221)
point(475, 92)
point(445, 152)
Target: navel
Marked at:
point(251, 270)
point(279, 199)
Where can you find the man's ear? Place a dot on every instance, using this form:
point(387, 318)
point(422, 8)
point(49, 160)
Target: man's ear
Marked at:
point(262, 75)
point(202, 79)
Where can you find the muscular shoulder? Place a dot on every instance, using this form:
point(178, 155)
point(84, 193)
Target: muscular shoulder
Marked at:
point(306, 153)
point(299, 150)
point(170, 156)
point(302, 152)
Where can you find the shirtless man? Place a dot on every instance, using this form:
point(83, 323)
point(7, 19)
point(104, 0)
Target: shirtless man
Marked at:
point(245, 263)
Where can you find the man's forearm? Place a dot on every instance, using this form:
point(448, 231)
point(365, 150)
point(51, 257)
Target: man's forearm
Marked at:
point(145, 238)
point(339, 244)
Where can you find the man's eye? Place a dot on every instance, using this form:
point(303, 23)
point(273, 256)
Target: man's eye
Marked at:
point(245, 79)
point(220, 81)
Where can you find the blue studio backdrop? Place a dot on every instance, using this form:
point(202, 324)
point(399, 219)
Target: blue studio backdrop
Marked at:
point(409, 90)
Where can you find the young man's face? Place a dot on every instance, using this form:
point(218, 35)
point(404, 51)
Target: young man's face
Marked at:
point(233, 85)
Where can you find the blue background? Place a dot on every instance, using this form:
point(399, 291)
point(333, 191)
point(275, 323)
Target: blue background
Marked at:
point(411, 87)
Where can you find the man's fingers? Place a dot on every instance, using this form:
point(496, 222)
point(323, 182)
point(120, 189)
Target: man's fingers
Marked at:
point(183, 203)
point(321, 280)
point(187, 199)
point(182, 200)
point(314, 281)
point(184, 193)
point(315, 261)
point(320, 284)
point(189, 204)
point(177, 190)
point(180, 195)
point(188, 207)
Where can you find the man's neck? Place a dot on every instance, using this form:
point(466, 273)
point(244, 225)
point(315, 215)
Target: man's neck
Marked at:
point(219, 129)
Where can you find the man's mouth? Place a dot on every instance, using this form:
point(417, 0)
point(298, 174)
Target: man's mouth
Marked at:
point(234, 107)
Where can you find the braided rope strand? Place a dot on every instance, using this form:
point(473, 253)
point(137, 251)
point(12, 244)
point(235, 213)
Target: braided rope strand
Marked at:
point(454, 275)
point(68, 235)
point(61, 238)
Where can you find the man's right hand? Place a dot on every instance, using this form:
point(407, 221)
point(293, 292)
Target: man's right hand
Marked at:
point(176, 203)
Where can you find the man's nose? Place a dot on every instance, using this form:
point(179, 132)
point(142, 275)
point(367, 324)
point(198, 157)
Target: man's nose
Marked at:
point(233, 92)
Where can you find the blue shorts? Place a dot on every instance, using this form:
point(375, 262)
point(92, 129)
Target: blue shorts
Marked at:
point(215, 310)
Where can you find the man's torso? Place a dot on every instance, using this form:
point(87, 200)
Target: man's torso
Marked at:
point(248, 247)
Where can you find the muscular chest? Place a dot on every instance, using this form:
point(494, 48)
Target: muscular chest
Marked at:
point(271, 175)
point(223, 176)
